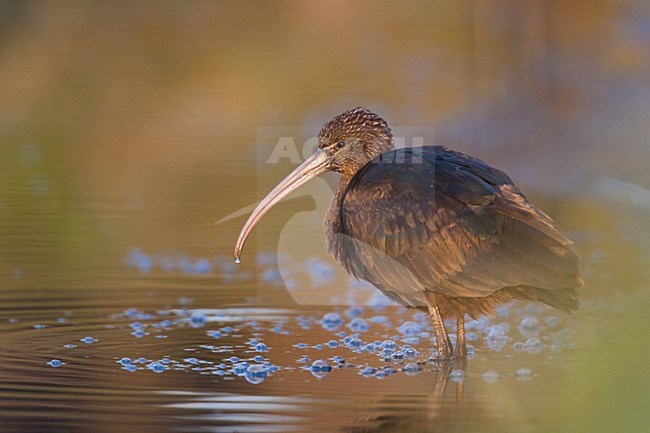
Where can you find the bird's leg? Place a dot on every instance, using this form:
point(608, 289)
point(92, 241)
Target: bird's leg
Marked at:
point(460, 351)
point(444, 343)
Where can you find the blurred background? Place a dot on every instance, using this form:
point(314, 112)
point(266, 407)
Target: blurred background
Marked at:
point(134, 126)
point(127, 124)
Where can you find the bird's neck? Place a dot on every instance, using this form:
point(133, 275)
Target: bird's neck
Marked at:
point(332, 222)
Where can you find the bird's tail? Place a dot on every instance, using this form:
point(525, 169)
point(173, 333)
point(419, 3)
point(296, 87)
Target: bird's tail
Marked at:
point(564, 299)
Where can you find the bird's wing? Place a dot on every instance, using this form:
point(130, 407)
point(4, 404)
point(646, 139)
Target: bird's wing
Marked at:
point(434, 220)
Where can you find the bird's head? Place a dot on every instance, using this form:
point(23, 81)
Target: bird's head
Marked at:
point(354, 138)
point(345, 144)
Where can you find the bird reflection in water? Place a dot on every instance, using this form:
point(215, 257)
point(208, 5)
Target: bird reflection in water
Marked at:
point(442, 410)
point(432, 228)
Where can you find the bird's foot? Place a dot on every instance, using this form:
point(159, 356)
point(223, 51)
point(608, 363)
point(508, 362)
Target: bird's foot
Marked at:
point(449, 353)
point(444, 352)
point(441, 356)
point(460, 351)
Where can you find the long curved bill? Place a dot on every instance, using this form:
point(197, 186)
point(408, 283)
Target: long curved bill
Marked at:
point(312, 167)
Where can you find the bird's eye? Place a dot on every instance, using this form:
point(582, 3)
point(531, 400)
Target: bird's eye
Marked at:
point(340, 145)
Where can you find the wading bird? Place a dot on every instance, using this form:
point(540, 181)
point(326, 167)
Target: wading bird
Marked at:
point(432, 228)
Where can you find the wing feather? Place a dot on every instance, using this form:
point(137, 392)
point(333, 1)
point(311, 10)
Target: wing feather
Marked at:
point(450, 224)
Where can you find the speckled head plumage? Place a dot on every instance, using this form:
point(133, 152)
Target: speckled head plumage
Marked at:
point(354, 138)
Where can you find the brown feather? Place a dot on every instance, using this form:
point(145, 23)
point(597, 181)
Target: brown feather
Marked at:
point(467, 243)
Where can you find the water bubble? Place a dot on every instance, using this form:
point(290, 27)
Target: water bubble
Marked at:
point(138, 333)
point(131, 368)
point(233, 359)
point(457, 375)
point(157, 367)
point(353, 342)
point(261, 347)
point(358, 324)
point(491, 376)
point(139, 260)
point(411, 340)
point(131, 312)
point(480, 324)
point(378, 301)
point(529, 327)
point(237, 260)
point(303, 322)
point(502, 310)
point(552, 321)
point(69, 346)
point(367, 371)
point(410, 352)
point(524, 374)
point(192, 361)
point(55, 363)
point(197, 320)
point(240, 368)
point(202, 266)
point(125, 361)
point(271, 275)
point(320, 368)
point(258, 358)
point(256, 373)
point(214, 334)
point(354, 311)
point(88, 340)
point(388, 344)
point(370, 347)
point(331, 321)
point(412, 369)
point(410, 328)
point(533, 345)
point(332, 344)
point(503, 327)
point(320, 271)
point(380, 374)
point(301, 345)
point(497, 339)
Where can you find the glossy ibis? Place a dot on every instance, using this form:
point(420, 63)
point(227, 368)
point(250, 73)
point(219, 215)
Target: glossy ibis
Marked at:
point(432, 228)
